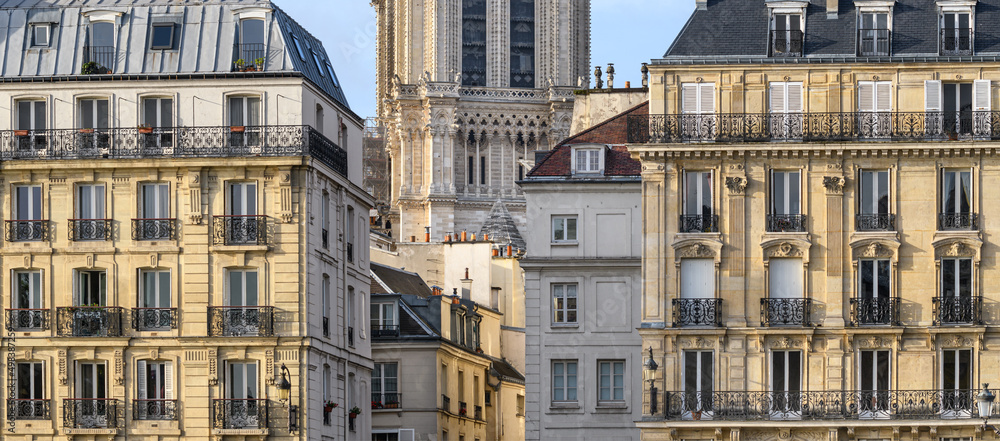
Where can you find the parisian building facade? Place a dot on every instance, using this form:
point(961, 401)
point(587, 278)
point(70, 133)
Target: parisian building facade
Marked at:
point(185, 251)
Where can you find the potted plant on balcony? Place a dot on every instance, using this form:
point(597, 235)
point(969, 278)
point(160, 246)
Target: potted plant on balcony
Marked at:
point(463, 411)
point(258, 64)
point(329, 406)
point(92, 68)
point(20, 133)
point(145, 129)
point(696, 415)
point(87, 131)
point(237, 129)
point(354, 412)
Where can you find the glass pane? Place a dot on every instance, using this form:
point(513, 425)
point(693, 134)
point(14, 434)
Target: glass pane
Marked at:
point(571, 228)
point(251, 288)
point(102, 34)
point(948, 277)
point(949, 192)
point(251, 199)
point(965, 277)
point(690, 372)
point(706, 194)
point(793, 193)
point(884, 281)
point(39, 122)
point(164, 292)
point(253, 111)
point(253, 31)
point(87, 383)
point(36, 202)
point(236, 288)
point(867, 279)
point(691, 200)
point(149, 289)
point(163, 201)
point(24, 115)
point(236, 117)
point(87, 114)
point(101, 121)
point(166, 113)
point(149, 112)
point(794, 371)
point(36, 289)
point(236, 199)
point(237, 383)
point(163, 36)
point(558, 230)
point(99, 201)
point(949, 370)
point(780, 202)
point(965, 192)
point(867, 368)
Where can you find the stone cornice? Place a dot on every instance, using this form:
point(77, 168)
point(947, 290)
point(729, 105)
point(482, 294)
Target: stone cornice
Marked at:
point(720, 151)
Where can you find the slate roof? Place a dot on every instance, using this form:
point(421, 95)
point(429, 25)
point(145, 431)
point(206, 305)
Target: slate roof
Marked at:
point(389, 280)
point(739, 28)
point(506, 371)
point(205, 37)
point(501, 227)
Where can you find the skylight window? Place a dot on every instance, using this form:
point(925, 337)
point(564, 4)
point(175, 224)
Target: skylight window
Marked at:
point(333, 76)
point(298, 47)
point(40, 35)
point(162, 36)
point(319, 66)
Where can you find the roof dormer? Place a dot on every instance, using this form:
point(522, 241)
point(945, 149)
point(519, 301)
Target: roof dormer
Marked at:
point(588, 159)
point(786, 23)
point(874, 27)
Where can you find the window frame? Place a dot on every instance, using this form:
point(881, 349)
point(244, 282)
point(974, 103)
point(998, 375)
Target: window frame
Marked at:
point(699, 192)
point(38, 381)
point(298, 47)
point(244, 271)
point(39, 195)
point(773, 27)
point(245, 109)
point(83, 283)
point(565, 220)
point(34, 28)
point(381, 321)
point(957, 274)
point(33, 123)
point(157, 274)
point(565, 310)
point(612, 376)
point(593, 160)
point(36, 288)
point(153, 28)
point(142, 379)
point(565, 376)
point(876, 191)
point(958, 180)
point(866, 10)
point(246, 198)
point(786, 197)
point(380, 380)
point(943, 12)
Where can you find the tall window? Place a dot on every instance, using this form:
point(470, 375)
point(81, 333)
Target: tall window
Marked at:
point(154, 212)
point(522, 43)
point(326, 305)
point(252, 40)
point(473, 42)
point(785, 108)
point(154, 380)
point(786, 35)
point(244, 111)
point(471, 170)
point(30, 392)
point(154, 300)
point(92, 288)
point(349, 226)
point(956, 381)
point(611, 381)
point(242, 381)
point(873, 198)
point(698, 213)
point(956, 278)
point(873, 34)
point(786, 201)
point(158, 116)
point(873, 378)
point(90, 212)
point(875, 292)
point(243, 288)
point(956, 33)
point(874, 107)
point(786, 382)
point(785, 278)
point(28, 202)
point(28, 289)
point(101, 46)
point(482, 170)
point(697, 279)
point(94, 114)
point(564, 304)
point(698, 381)
point(350, 315)
point(92, 380)
point(956, 192)
point(698, 109)
point(564, 381)
point(385, 386)
point(325, 233)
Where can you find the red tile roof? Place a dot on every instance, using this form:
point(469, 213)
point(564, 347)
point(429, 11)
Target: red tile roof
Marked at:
point(613, 131)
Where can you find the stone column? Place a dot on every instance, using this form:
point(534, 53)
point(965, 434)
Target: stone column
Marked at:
point(656, 249)
point(835, 285)
point(734, 286)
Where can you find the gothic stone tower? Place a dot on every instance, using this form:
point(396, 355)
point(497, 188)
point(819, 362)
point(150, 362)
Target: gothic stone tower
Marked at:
point(468, 91)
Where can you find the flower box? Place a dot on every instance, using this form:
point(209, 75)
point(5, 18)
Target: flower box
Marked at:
point(237, 129)
point(20, 133)
point(87, 131)
point(145, 130)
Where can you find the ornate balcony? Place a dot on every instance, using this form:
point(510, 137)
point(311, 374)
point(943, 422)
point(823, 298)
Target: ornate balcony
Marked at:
point(27, 230)
point(381, 330)
point(958, 221)
point(959, 310)
point(27, 409)
point(875, 222)
point(785, 312)
point(241, 321)
point(445, 403)
point(154, 229)
point(240, 230)
point(154, 409)
point(154, 319)
point(89, 229)
point(478, 415)
point(956, 41)
point(697, 312)
point(875, 311)
point(699, 223)
point(27, 320)
point(821, 405)
point(89, 321)
point(102, 57)
point(91, 413)
point(239, 414)
point(386, 400)
point(786, 43)
point(786, 223)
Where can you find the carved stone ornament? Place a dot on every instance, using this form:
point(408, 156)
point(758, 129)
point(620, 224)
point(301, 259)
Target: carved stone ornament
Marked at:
point(834, 184)
point(785, 343)
point(784, 249)
point(696, 250)
point(955, 341)
point(736, 184)
point(957, 249)
point(876, 249)
point(873, 342)
point(697, 343)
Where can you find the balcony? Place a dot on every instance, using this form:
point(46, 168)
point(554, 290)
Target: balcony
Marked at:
point(387, 400)
point(250, 57)
point(821, 405)
point(463, 408)
point(239, 414)
point(154, 319)
point(958, 310)
point(98, 60)
point(241, 321)
point(183, 142)
point(154, 410)
point(813, 127)
point(89, 229)
point(699, 223)
point(89, 321)
point(956, 41)
point(875, 222)
point(786, 43)
point(785, 312)
point(28, 409)
point(154, 229)
point(786, 223)
point(874, 42)
point(240, 230)
point(958, 221)
point(875, 311)
point(27, 230)
point(27, 320)
point(382, 330)
point(90, 413)
point(445, 403)
point(697, 312)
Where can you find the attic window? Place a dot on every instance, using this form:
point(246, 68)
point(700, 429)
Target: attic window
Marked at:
point(786, 35)
point(333, 76)
point(874, 27)
point(40, 33)
point(319, 66)
point(162, 36)
point(956, 23)
point(588, 160)
point(298, 47)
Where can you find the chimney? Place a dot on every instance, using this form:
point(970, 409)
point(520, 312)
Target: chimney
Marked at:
point(427, 234)
point(831, 9)
point(466, 286)
point(702, 5)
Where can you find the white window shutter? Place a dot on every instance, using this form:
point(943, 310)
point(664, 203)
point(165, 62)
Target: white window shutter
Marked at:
point(981, 95)
point(168, 380)
point(794, 97)
point(932, 96)
point(406, 434)
point(866, 96)
point(785, 278)
point(778, 97)
point(883, 96)
point(141, 379)
point(689, 98)
point(707, 98)
point(697, 278)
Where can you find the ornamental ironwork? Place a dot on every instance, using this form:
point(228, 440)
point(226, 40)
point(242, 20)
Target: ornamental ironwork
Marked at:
point(240, 230)
point(237, 321)
point(697, 312)
point(958, 310)
point(27, 230)
point(91, 413)
point(154, 409)
point(956, 41)
point(28, 319)
point(154, 319)
point(27, 409)
point(154, 229)
point(875, 311)
point(239, 413)
point(875, 222)
point(786, 43)
point(958, 221)
point(786, 223)
point(785, 312)
point(89, 229)
point(382, 330)
point(89, 321)
point(386, 400)
point(699, 223)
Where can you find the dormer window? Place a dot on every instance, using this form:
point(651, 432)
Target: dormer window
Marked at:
point(162, 36)
point(588, 160)
point(956, 24)
point(100, 49)
point(786, 35)
point(874, 31)
point(251, 49)
point(40, 33)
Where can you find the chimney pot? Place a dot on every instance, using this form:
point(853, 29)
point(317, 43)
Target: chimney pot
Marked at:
point(628, 84)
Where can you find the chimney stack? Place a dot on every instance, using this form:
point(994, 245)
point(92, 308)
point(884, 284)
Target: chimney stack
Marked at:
point(831, 9)
point(702, 5)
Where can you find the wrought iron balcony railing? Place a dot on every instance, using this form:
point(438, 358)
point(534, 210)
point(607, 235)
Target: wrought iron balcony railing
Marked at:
point(154, 319)
point(252, 55)
point(699, 223)
point(27, 319)
point(240, 230)
point(786, 223)
point(27, 230)
point(813, 127)
point(154, 409)
point(182, 142)
point(89, 321)
point(91, 413)
point(958, 310)
point(478, 415)
point(875, 311)
point(697, 312)
point(786, 43)
point(382, 330)
point(103, 58)
point(875, 222)
point(27, 409)
point(958, 221)
point(350, 336)
point(874, 42)
point(154, 229)
point(956, 41)
point(239, 414)
point(89, 229)
point(821, 405)
point(326, 326)
point(785, 312)
point(386, 400)
point(237, 321)
point(445, 403)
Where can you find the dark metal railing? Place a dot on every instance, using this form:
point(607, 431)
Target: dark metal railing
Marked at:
point(326, 326)
point(27, 230)
point(478, 415)
point(27, 409)
point(445, 403)
point(154, 409)
point(154, 229)
point(386, 400)
point(89, 229)
point(786, 43)
point(874, 42)
point(239, 414)
point(699, 223)
point(821, 405)
point(382, 330)
point(238, 321)
point(875, 222)
point(786, 223)
point(103, 58)
point(240, 230)
point(697, 312)
point(958, 310)
point(154, 319)
point(958, 221)
point(325, 238)
point(90, 413)
point(350, 336)
point(956, 41)
point(27, 319)
point(89, 321)
point(875, 311)
point(253, 56)
point(814, 127)
point(350, 252)
point(463, 408)
point(785, 312)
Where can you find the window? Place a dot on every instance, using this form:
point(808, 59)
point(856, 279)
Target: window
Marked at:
point(785, 106)
point(298, 47)
point(786, 383)
point(349, 225)
point(28, 290)
point(520, 405)
point(90, 203)
point(383, 315)
point(874, 34)
point(697, 279)
point(474, 42)
point(786, 34)
point(874, 96)
point(242, 382)
point(40, 34)
point(522, 43)
point(385, 436)
point(30, 127)
point(956, 192)
point(92, 380)
point(785, 278)
point(243, 287)
point(956, 381)
point(350, 315)
point(326, 305)
point(154, 380)
point(243, 199)
point(28, 202)
point(698, 98)
point(162, 36)
point(698, 381)
point(244, 111)
point(333, 75)
point(30, 392)
point(154, 212)
point(698, 213)
point(154, 288)
point(874, 384)
point(956, 33)
point(588, 161)
point(158, 113)
point(319, 64)
point(252, 42)
point(482, 170)
point(611, 381)
point(873, 199)
point(956, 278)
point(102, 33)
point(786, 196)
point(564, 228)
point(385, 386)
point(94, 114)
point(564, 381)
point(325, 209)
point(875, 288)
point(471, 171)
point(100, 49)
point(564, 303)
point(92, 288)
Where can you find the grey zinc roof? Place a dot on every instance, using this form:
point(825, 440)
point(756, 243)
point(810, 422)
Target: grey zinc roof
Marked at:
point(205, 39)
point(739, 28)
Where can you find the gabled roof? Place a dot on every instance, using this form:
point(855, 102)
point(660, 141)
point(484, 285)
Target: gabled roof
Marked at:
point(389, 280)
point(612, 132)
point(501, 227)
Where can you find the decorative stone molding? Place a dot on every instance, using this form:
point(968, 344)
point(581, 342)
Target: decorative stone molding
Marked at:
point(737, 185)
point(875, 246)
point(785, 342)
point(834, 184)
point(785, 245)
point(698, 246)
point(213, 371)
point(62, 368)
point(119, 368)
point(955, 341)
point(872, 341)
point(697, 343)
point(957, 244)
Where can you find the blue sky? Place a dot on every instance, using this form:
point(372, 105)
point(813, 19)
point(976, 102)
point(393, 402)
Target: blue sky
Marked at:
point(624, 32)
